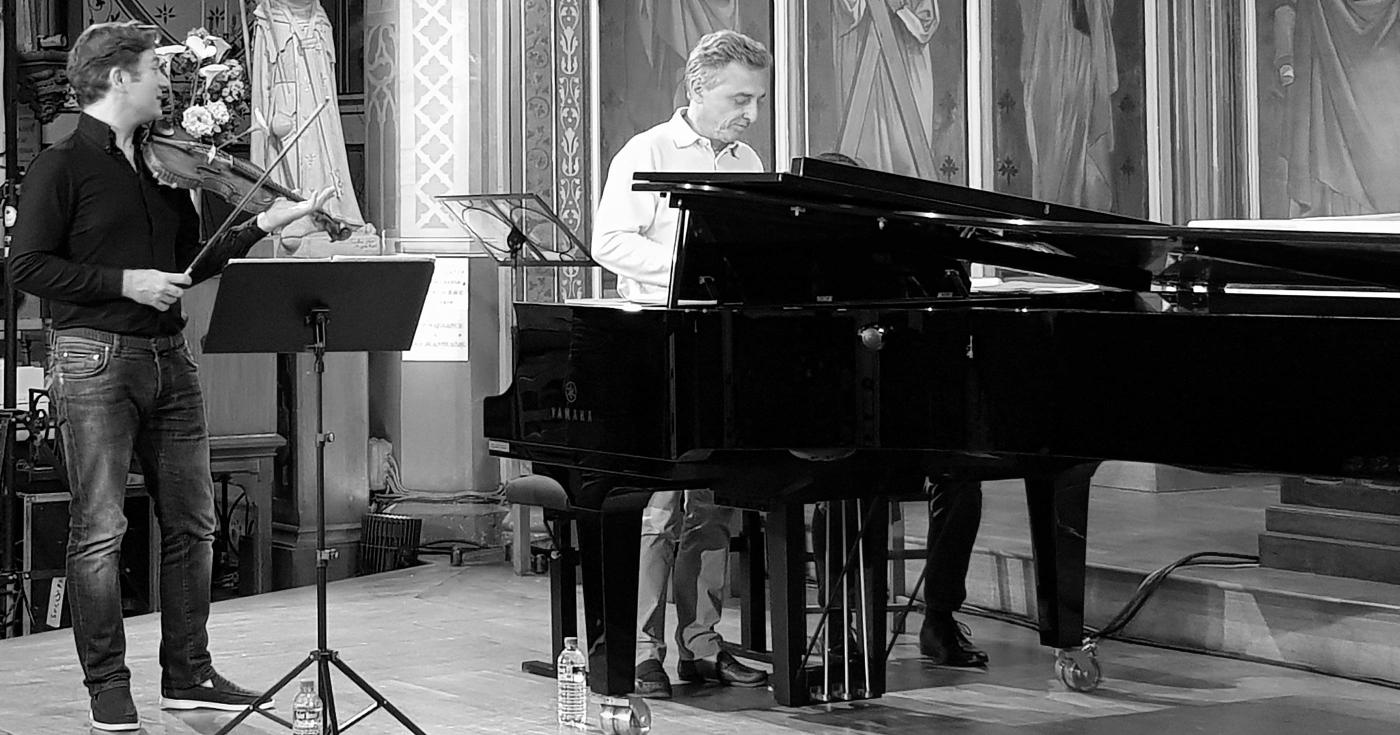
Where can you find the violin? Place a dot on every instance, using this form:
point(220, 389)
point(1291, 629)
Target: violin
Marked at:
point(177, 159)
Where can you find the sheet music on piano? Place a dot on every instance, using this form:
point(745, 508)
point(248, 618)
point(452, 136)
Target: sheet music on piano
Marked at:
point(1384, 224)
point(1363, 224)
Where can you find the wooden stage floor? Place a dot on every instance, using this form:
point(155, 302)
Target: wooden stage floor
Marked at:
point(444, 644)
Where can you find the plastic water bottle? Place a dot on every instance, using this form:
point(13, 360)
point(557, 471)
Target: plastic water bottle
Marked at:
point(307, 711)
point(572, 672)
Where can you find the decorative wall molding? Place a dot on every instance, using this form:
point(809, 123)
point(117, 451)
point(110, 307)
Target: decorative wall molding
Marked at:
point(381, 107)
point(556, 147)
point(432, 110)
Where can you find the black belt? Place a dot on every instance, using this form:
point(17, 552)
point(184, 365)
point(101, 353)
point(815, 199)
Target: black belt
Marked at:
point(129, 341)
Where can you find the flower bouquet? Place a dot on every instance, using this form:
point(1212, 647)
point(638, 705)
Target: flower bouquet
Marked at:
point(208, 88)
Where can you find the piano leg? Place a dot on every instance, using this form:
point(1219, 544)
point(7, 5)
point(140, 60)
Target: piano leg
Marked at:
point(753, 585)
point(786, 541)
point(1059, 510)
point(609, 553)
point(563, 593)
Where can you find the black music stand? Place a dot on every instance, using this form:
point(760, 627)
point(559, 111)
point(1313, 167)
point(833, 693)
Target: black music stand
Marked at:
point(284, 306)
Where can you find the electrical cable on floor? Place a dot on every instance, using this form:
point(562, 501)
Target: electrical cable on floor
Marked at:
point(395, 493)
point(1113, 629)
point(446, 545)
point(1153, 581)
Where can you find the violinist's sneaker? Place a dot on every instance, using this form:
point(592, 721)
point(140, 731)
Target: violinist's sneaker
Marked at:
point(215, 693)
point(113, 710)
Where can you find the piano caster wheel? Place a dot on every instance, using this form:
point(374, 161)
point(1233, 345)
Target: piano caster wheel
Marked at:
point(621, 716)
point(1079, 669)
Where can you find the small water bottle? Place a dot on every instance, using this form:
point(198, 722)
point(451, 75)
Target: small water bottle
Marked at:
point(572, 672)
point(307, 711)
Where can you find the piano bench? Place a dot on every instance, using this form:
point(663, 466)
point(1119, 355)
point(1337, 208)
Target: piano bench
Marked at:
point(538, 490)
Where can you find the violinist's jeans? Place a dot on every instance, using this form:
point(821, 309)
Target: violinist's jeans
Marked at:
point(115, 395)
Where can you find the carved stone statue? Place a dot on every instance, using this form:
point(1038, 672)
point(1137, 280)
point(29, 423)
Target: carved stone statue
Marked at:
point(292, 65)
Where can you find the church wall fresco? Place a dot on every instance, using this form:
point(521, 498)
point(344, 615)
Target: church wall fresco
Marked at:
point(874, 77)
point(1068, 103)
point(1327, 106)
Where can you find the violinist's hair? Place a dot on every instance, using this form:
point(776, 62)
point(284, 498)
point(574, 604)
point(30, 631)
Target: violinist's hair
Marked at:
point(101, 48)
point(719, 49)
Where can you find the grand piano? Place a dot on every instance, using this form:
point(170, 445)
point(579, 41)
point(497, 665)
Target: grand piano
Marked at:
point(820, 343)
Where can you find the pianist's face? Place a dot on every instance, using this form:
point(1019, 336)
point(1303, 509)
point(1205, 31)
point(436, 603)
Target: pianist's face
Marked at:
point(725, 109)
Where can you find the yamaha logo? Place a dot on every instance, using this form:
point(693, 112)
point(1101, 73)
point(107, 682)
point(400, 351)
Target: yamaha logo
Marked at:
point(570, 392)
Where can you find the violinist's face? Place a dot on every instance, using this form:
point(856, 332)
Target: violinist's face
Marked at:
point(143, 89)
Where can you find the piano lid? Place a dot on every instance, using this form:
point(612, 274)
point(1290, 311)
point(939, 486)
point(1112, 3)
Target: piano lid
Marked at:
point(865, 235)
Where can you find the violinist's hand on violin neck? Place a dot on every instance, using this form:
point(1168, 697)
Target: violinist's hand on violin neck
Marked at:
point(283, 212)
point(156, 289)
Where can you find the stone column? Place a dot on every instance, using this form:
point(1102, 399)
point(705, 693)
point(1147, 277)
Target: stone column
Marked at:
point(438, 107)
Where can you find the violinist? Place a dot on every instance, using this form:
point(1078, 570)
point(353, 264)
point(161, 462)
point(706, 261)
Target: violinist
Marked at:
point(105, 246)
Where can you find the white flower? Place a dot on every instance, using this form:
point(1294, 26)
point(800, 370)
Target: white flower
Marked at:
point(200, 47)
point(209, 71)
point(219, 111)
point(221, 47)
point(234, 91)
point(198, 121)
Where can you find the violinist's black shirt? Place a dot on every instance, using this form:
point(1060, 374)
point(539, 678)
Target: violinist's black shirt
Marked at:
point(85, 215)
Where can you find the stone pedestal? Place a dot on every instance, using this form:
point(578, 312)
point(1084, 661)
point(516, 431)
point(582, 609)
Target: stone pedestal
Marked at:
point(1338, 528)
point(1157, 478)
point(345, 413)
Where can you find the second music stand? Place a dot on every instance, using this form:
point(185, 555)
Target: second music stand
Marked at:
point(286, 306)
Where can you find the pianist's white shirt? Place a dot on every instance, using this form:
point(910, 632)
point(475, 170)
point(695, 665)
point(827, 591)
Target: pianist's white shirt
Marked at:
point(634, 232)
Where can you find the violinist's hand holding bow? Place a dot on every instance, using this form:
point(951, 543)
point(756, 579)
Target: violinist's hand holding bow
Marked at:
point(284, 212)
point(156, 289)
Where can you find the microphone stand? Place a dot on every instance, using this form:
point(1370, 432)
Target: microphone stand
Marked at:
point(10, 586)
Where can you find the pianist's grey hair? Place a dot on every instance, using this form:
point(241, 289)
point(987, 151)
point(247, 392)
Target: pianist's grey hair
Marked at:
point(718, 50)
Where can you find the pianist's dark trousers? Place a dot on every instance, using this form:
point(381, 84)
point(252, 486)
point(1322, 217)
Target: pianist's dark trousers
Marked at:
point(686, 532)
point(954, 513)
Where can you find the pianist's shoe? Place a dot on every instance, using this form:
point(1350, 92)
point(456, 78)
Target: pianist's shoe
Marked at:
point(652, 682)
point(725, 669)
point(942, 640)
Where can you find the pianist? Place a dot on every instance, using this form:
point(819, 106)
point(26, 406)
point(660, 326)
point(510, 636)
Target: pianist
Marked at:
point(726, 78)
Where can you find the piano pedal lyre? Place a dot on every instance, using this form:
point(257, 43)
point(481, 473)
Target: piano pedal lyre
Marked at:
point(846, 609)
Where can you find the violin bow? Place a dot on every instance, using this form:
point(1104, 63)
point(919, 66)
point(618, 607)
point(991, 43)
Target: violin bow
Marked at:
point(228, 221)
